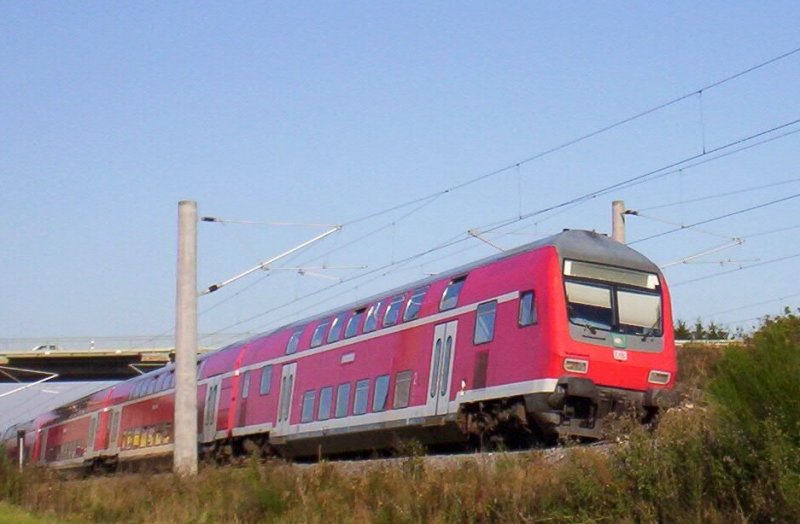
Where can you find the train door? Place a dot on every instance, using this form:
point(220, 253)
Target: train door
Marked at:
point(210, 411)
point(285, 402)
point(113, 431)
point(90, 442)
point(441, 375)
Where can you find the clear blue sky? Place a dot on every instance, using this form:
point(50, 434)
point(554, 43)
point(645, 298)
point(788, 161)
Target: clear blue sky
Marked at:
point(111, 112)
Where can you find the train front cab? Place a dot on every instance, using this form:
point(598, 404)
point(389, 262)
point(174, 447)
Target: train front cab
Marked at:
point(612, 346)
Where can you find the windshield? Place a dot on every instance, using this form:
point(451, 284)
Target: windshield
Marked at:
point(639, 313)
point(589, 305)
point(604, 298)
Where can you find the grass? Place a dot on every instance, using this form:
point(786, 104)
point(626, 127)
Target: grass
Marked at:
point(13, 515)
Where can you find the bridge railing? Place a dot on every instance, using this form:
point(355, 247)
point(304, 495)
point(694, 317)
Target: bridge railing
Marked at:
point(133, 342)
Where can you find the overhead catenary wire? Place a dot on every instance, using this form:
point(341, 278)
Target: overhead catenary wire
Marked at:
point(720, 195)
point(754, 304)
point(499, 225)
point(717, 218)
point(647, 176)
point(721, 273)
point(572, 142)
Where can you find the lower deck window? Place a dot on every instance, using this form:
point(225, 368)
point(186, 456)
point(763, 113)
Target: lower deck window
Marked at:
point(325, 398)
point(402, 389)
point(308, 406)
point(381, 393)
point(342, 400)
point(246, 384)
point(266, 380)
point(361, 396)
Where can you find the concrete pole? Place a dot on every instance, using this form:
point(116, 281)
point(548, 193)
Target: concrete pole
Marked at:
point(21, 449)
point(618, 221)
point(185, 451)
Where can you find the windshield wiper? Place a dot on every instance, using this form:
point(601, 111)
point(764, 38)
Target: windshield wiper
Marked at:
point(651, 331)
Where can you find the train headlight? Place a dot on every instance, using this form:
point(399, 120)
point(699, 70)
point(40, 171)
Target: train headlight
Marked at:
point(659, 377)
point(575, 365)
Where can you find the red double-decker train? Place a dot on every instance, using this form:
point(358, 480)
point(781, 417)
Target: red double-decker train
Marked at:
point(531, 344)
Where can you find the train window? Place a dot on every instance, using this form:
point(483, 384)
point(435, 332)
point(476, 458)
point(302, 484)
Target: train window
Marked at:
point(294, 341)
point(246, 384)
point(319, 333)
point(402, 389)
point(451, 292)
point(307, 414)
point(371, 321)
point(325, 398)
point(361, 397)
point(414, 304)
point(266, 380)
point(352, 324)
point(589, 305)
point(381, 393)
point(484, 322)
point(336, 329)
point(393, 311)
point(342, 400)
point(639, 313)
point(527, 309)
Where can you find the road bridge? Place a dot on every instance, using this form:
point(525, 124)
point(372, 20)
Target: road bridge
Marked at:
point(92, 359)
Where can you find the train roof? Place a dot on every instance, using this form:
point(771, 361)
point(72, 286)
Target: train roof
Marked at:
point(578, 244)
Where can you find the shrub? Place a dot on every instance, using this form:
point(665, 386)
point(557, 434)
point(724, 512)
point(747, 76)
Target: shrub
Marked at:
point(756, 393)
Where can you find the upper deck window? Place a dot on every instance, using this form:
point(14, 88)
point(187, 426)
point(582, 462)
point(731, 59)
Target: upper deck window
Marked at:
point(319, 333)
point(336, 328)
point(352, 324)
point(451, 292)
point(294, 341)
point(371, 322)
point(414, 304)
point(393, 311)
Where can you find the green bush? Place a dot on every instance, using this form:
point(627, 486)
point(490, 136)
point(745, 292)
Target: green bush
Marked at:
point(756, 392)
